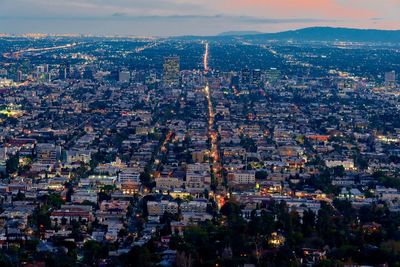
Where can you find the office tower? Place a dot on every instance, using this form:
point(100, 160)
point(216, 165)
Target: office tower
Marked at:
point(272, 75)
point(171, 71)
point(41, 73)
point(124, 76)
point(40, 70)
point(256, 77)
point(245, 77)
point(67, 71)
point(390, 78)
point(62, 73)
point(19, 76)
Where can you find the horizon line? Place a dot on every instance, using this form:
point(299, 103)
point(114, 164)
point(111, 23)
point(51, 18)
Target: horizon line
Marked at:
point(255, 32)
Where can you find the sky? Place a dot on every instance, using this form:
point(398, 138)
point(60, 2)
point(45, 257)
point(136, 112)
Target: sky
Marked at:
point(191, 17)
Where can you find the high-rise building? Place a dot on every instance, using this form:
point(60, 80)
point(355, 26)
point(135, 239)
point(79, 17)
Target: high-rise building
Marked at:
point(390, 78)
point(67, 71)
point(19, 76)
point(256, 77)
point(62, 73)
point(124, 76)
point(272, 75)
point(46, 68)
point(171, 71)
point(245, 77)
point(40, 70)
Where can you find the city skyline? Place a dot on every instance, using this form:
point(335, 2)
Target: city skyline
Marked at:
point(190, 17)
point(120, 147)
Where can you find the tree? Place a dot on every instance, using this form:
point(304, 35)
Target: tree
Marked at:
point(339, 171)
point(386, 180)
point(5, 260)
point(12, 164)
point(55, 201)
point(146, 180)
point(261, 175)
point(41, 218)
point(229, 209)
point(122, 233)
point(91, 252)
point(183, 260)
point(138, 257)
point(249, 144)
point(19, 196)
point(308, 221)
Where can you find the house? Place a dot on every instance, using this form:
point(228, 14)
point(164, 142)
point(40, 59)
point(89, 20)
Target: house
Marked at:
point(69, 213)
point(168, 183)
point(159, 208)
point(242, 177)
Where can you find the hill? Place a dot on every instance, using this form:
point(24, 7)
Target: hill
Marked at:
point(331, 34)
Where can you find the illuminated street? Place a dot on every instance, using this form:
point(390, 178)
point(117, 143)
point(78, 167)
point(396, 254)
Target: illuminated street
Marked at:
point(212, 134)
point(38, 50)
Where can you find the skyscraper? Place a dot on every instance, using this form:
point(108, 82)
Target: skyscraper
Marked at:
point(245, 77)
point(256, 77)
point(64, 71)
point(272, 74)
point(390, 78)
point(124, 76)
point(19, 76)
point(171, 71)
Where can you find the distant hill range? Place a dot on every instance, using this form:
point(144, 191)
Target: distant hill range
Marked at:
point(321, 34)
point(239, 33)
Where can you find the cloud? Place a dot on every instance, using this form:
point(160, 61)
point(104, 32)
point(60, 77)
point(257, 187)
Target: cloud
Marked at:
point(72, 8)
point(258, 20)
point(214, 18)
point(118, 14)
point(200, 16)
point(295, 8)
point(328, 9)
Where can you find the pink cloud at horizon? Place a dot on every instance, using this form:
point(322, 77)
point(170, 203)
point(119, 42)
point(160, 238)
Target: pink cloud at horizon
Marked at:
point(197, 16)
point(329, 9)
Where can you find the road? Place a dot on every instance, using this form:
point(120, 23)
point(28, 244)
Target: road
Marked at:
point(205, 63)
point(20, 53)
point(212, 133)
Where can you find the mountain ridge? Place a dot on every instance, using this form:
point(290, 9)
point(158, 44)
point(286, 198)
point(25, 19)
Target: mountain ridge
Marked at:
point(327, 34)
point(239, 33)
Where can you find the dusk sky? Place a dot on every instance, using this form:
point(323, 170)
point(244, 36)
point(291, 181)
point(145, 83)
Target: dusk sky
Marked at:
point(194, 17)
